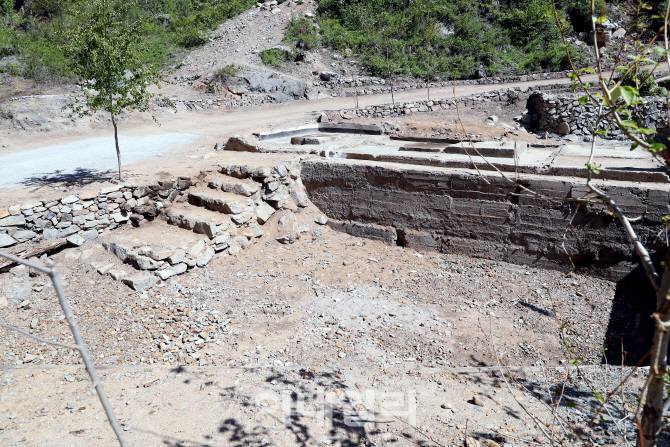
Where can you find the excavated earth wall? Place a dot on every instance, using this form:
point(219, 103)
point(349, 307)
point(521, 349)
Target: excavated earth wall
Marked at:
point(458, 212)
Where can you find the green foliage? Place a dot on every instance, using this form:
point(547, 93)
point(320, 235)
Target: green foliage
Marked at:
point(6, 7)
point(431, 38)
point(301, 30)
point(105, 49)
point(166, 27)
point(643, 81)
point(224, 73)
point(274, 57)
point(6, 114)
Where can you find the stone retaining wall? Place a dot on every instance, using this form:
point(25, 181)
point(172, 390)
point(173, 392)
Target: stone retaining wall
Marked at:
point(407, 108)
point(563, 115)
point(458, 212)
point(86, 214)
point(373, 85)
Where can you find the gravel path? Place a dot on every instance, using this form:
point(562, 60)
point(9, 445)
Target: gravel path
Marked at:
point(84, 157)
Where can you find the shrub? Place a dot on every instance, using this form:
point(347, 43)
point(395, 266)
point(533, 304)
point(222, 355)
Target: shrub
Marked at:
point(643, 81)
point(301, 30)
point(274, 57)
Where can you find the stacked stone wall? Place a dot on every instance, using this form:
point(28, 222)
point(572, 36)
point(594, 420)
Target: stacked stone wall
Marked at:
point(87, 213)
point(562, 114)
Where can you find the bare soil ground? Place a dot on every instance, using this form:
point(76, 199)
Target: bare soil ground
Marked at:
point(329, 314)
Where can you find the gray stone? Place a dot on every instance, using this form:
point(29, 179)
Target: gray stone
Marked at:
point(49, 233)
point(16, 293)
point(69, 199)
point(72, 229)
point(141, 281)
point(13, 221)
point(161, 253)
point(320, 219)
point(197, 248)
point(76, 240)
point(264, 212)
point(146, 263)
point(262, 173)
point(177, 269)
point(255, 231)
point(117, 274)
point(287, 228)
point(206, 228)
point(232, 208)
point(329, 76)
point(177, 257)
point(90, 235)
point(118, 251)
point(300, 198)
point(6, 240)
point(24, 235)
point(102, 268)
point(120, 217)
point(242, 218)
point(30, 205)
point(205, 258)
point(245, 190)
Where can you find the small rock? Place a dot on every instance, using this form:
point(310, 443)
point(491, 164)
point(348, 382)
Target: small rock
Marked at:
point(117, 275)
point(205, 258)
point(103, 269)
point(24, 235)
point(75, 240)
point(6, 240)
point(141, 281)
point(320, 219)
point(177, 257)
point(50, 233)
point(161, 253)
point(172, 271)
point(33, 323)
point(478, 401)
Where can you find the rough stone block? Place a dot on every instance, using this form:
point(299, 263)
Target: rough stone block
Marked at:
point(6, 240)
point(264, 212)
point(90, 235)
point(161, 253)
point(141, 281)
point(177, 257)
point(204, 259)
point(177, 269)
point(13, 221)
point(76, 240)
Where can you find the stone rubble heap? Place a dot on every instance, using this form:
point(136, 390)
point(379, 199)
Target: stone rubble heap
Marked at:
point(562, 114)
point(81, 217)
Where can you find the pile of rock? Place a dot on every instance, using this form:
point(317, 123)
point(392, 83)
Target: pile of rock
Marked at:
point(230, 225)
point(562, 114)
point(88, 213)
point(164, 262)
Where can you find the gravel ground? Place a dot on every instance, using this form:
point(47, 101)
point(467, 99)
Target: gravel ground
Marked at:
point(329, 312)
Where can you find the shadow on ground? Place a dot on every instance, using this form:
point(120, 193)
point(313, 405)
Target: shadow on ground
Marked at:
point(299, 415)
point(80, 177)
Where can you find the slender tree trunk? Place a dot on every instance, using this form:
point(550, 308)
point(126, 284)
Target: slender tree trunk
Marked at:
point(116, 141)
point(652, 413)
point(388, 69)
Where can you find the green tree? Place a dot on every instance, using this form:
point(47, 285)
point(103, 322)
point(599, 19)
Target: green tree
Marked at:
point(105, 49)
